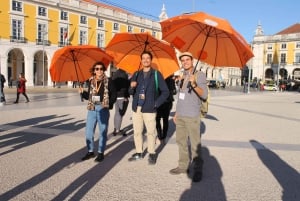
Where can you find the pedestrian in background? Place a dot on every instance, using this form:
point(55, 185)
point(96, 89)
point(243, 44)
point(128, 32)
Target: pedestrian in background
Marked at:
point(21, 88)
point(10, 82)
point(3, 80)
point(121, 83)
point(101, 96)
point(145, 102)
point(192, 89)
point(163, 111)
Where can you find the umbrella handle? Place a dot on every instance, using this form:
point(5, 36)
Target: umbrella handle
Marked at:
point(189, 86)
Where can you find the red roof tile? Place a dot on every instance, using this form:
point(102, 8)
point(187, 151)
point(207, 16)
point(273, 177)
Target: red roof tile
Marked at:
point(292, 29)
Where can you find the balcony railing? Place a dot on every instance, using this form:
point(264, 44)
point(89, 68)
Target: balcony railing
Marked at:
point(18, 39)
point(40, 42)
point(63, 43)
point(296, 63)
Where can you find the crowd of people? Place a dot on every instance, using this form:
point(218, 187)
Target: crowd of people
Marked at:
point(152, 102)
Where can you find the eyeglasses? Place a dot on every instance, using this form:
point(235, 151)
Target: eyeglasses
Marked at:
point(96, 69)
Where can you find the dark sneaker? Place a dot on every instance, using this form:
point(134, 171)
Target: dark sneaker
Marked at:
point(100, 157)
point(115, 133)
point(135, 157)
point(152, 159)
point(178, 170)
point(124, 133)
point(88, 156)
point(15, 102)
point(197, 176)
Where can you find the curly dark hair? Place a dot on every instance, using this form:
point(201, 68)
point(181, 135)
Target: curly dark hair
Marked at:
point(95, 64)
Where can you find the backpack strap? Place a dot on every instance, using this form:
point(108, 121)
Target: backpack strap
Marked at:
point(156, 81)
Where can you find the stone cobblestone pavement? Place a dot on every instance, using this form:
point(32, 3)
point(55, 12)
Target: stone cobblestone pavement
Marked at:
point(250, 148)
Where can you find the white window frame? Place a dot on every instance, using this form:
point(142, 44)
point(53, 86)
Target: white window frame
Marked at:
point(270, 46)
point(83, 19)
point(283, 58)
point(41, 31)
point(269, 58)
point(116, 26)
point(64, 15)
point(130, 29)
point(42, 11)
point(62, 31)
point(101, 39)
point(154, 34)
point(83, 37)
point(100, 23)
point(297, 57)
point(16, 6)
point(19, 29)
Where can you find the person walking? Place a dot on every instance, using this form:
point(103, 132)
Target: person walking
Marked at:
point(187, 118)
point(163, 111)
point(121, 82)
point(3, 80)
point(21, 88)
point(10, 82)
point(101, 95)
point(145, 102)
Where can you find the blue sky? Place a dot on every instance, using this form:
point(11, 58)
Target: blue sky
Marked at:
point(244, 15)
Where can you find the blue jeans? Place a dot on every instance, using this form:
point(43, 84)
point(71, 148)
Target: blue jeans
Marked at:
point(101, 116)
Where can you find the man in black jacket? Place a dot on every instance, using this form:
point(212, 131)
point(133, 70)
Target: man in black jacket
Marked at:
point(146, 100)
point(121, 83)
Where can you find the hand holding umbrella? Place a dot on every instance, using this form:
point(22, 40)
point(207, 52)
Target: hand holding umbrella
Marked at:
point(72, 63)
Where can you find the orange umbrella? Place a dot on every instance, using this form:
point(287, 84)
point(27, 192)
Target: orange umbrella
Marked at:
point(126, 49)
point(210, 39)
point(72, 63)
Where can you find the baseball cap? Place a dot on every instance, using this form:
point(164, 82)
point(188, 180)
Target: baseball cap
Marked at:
point(185, 54)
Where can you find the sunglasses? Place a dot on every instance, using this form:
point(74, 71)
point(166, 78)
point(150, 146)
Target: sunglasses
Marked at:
point(96, 69)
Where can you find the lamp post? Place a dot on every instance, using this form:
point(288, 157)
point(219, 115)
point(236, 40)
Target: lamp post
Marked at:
point(249, 71)
point(278, 69)
point(43, 55)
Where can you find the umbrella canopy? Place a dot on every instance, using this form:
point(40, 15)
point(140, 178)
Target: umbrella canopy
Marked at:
point(126, 49)
point(72, 63)
point(210, 39)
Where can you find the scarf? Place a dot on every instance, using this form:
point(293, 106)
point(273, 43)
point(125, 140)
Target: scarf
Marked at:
point(95, 87)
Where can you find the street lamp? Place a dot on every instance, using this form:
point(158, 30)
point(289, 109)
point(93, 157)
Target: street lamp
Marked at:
point(249, 71)
point(43, 59)
point(278, 69)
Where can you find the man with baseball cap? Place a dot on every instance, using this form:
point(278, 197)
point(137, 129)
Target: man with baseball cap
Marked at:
point(192, 90)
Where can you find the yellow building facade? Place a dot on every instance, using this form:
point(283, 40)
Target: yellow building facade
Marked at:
point(277, 57)
point(32, 30)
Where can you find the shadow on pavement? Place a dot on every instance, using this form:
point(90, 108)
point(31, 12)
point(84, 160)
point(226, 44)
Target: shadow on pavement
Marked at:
point(287, 177)
point(82, 184)
point(85, 182)
point(210, 187)
point(26, 137)
point(171, 131)
point(211, 117)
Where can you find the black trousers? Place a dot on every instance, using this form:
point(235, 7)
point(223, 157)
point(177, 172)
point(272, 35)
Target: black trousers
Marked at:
point(163, 112)
point(18, 95)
